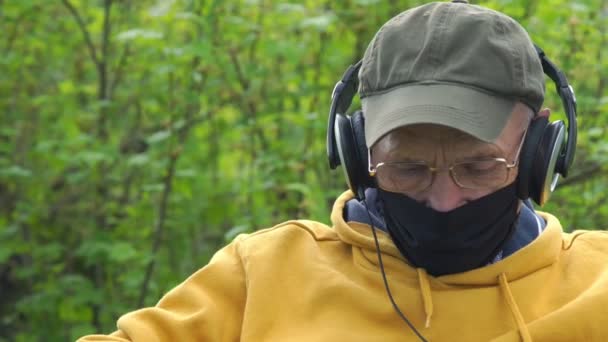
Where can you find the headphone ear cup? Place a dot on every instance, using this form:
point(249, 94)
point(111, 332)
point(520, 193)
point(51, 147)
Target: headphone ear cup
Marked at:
point(528, 154)
point(544, 166)
point(358, 124)
point(352, 150)
point(349, 156)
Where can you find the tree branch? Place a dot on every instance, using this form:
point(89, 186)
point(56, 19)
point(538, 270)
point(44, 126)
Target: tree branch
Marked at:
point(243, 81)
point(582, 176)
point(318, 61)
point(12, 36)
point(83, 29)
point(159, 226)
point(107, 5)
point(246, 87)
point(119, 70)
point(102, 70)
point(259, 23)
point(602, 79)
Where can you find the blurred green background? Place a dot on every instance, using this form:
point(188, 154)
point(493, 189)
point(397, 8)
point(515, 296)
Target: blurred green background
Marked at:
point(138, 137)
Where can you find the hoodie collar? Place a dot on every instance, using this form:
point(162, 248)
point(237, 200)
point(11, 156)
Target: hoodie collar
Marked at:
point(529, 225)
point(541, 252)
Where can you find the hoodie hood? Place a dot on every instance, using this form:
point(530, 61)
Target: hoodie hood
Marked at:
point(543, 252)
point(524, 262)
point(528, 226)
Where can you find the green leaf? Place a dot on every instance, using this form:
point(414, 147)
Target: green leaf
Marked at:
point(366, 2)
point(92, 157)
point(134, 34)
point(298, 187)
point(50, 251)
point(186, 173)
point(15, 171)
point(320, 23)
point(161, 8)
point(67, 87)
point(93, 251)
point(121, 252)
point(289, 8)
point(5, 254)
point(158, 137)
point(138, 160)
point(156, 187)
point(79, 330)
point(179, 124)
point(234, 231)
point(595, 132)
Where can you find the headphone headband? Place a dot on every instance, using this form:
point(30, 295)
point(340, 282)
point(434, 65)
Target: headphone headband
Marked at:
point(566, 93)
point(341, 98)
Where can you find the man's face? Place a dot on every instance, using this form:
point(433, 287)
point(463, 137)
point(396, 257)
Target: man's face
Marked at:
point(441, 147)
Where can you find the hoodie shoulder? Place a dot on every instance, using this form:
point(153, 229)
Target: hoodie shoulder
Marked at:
point(289, 231)
point(591, 241)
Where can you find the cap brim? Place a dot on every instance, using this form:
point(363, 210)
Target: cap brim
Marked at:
point(472, 111)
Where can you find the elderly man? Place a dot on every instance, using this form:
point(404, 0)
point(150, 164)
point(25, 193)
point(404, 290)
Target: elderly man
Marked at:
point(436, 239)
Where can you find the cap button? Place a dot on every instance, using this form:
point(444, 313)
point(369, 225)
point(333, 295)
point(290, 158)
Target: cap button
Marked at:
point(460, 1)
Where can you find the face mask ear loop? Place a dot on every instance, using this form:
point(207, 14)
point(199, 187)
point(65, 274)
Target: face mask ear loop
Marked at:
point(388, 290)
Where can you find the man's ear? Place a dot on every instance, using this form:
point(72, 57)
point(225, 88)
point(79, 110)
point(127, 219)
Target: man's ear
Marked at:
point(543, 113)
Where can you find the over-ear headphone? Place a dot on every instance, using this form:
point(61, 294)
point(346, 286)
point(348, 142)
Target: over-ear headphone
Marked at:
point(547, 151)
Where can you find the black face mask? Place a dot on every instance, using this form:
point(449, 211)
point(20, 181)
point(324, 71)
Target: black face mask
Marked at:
point(459, 240)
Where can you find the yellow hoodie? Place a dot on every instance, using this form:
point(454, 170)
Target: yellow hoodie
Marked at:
point(304, 281)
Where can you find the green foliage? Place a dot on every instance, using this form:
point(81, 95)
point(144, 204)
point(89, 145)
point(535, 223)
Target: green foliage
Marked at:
point(140, 136)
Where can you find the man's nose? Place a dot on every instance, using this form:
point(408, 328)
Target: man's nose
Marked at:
point(444, 194)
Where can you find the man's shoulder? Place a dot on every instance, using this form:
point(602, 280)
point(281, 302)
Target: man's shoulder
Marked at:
point(580, 240)
point(589, 240)
point(585, 249)
point(290, 232)
point(296, 241)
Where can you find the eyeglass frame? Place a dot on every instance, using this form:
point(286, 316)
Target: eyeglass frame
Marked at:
point(373, 169)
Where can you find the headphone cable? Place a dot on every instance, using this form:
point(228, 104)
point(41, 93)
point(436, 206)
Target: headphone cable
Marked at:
point(388, 290)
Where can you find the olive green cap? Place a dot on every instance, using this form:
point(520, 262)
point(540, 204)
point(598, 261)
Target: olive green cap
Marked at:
point(447, 63)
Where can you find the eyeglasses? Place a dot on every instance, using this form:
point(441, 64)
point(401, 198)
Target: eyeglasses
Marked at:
point(415, 176)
